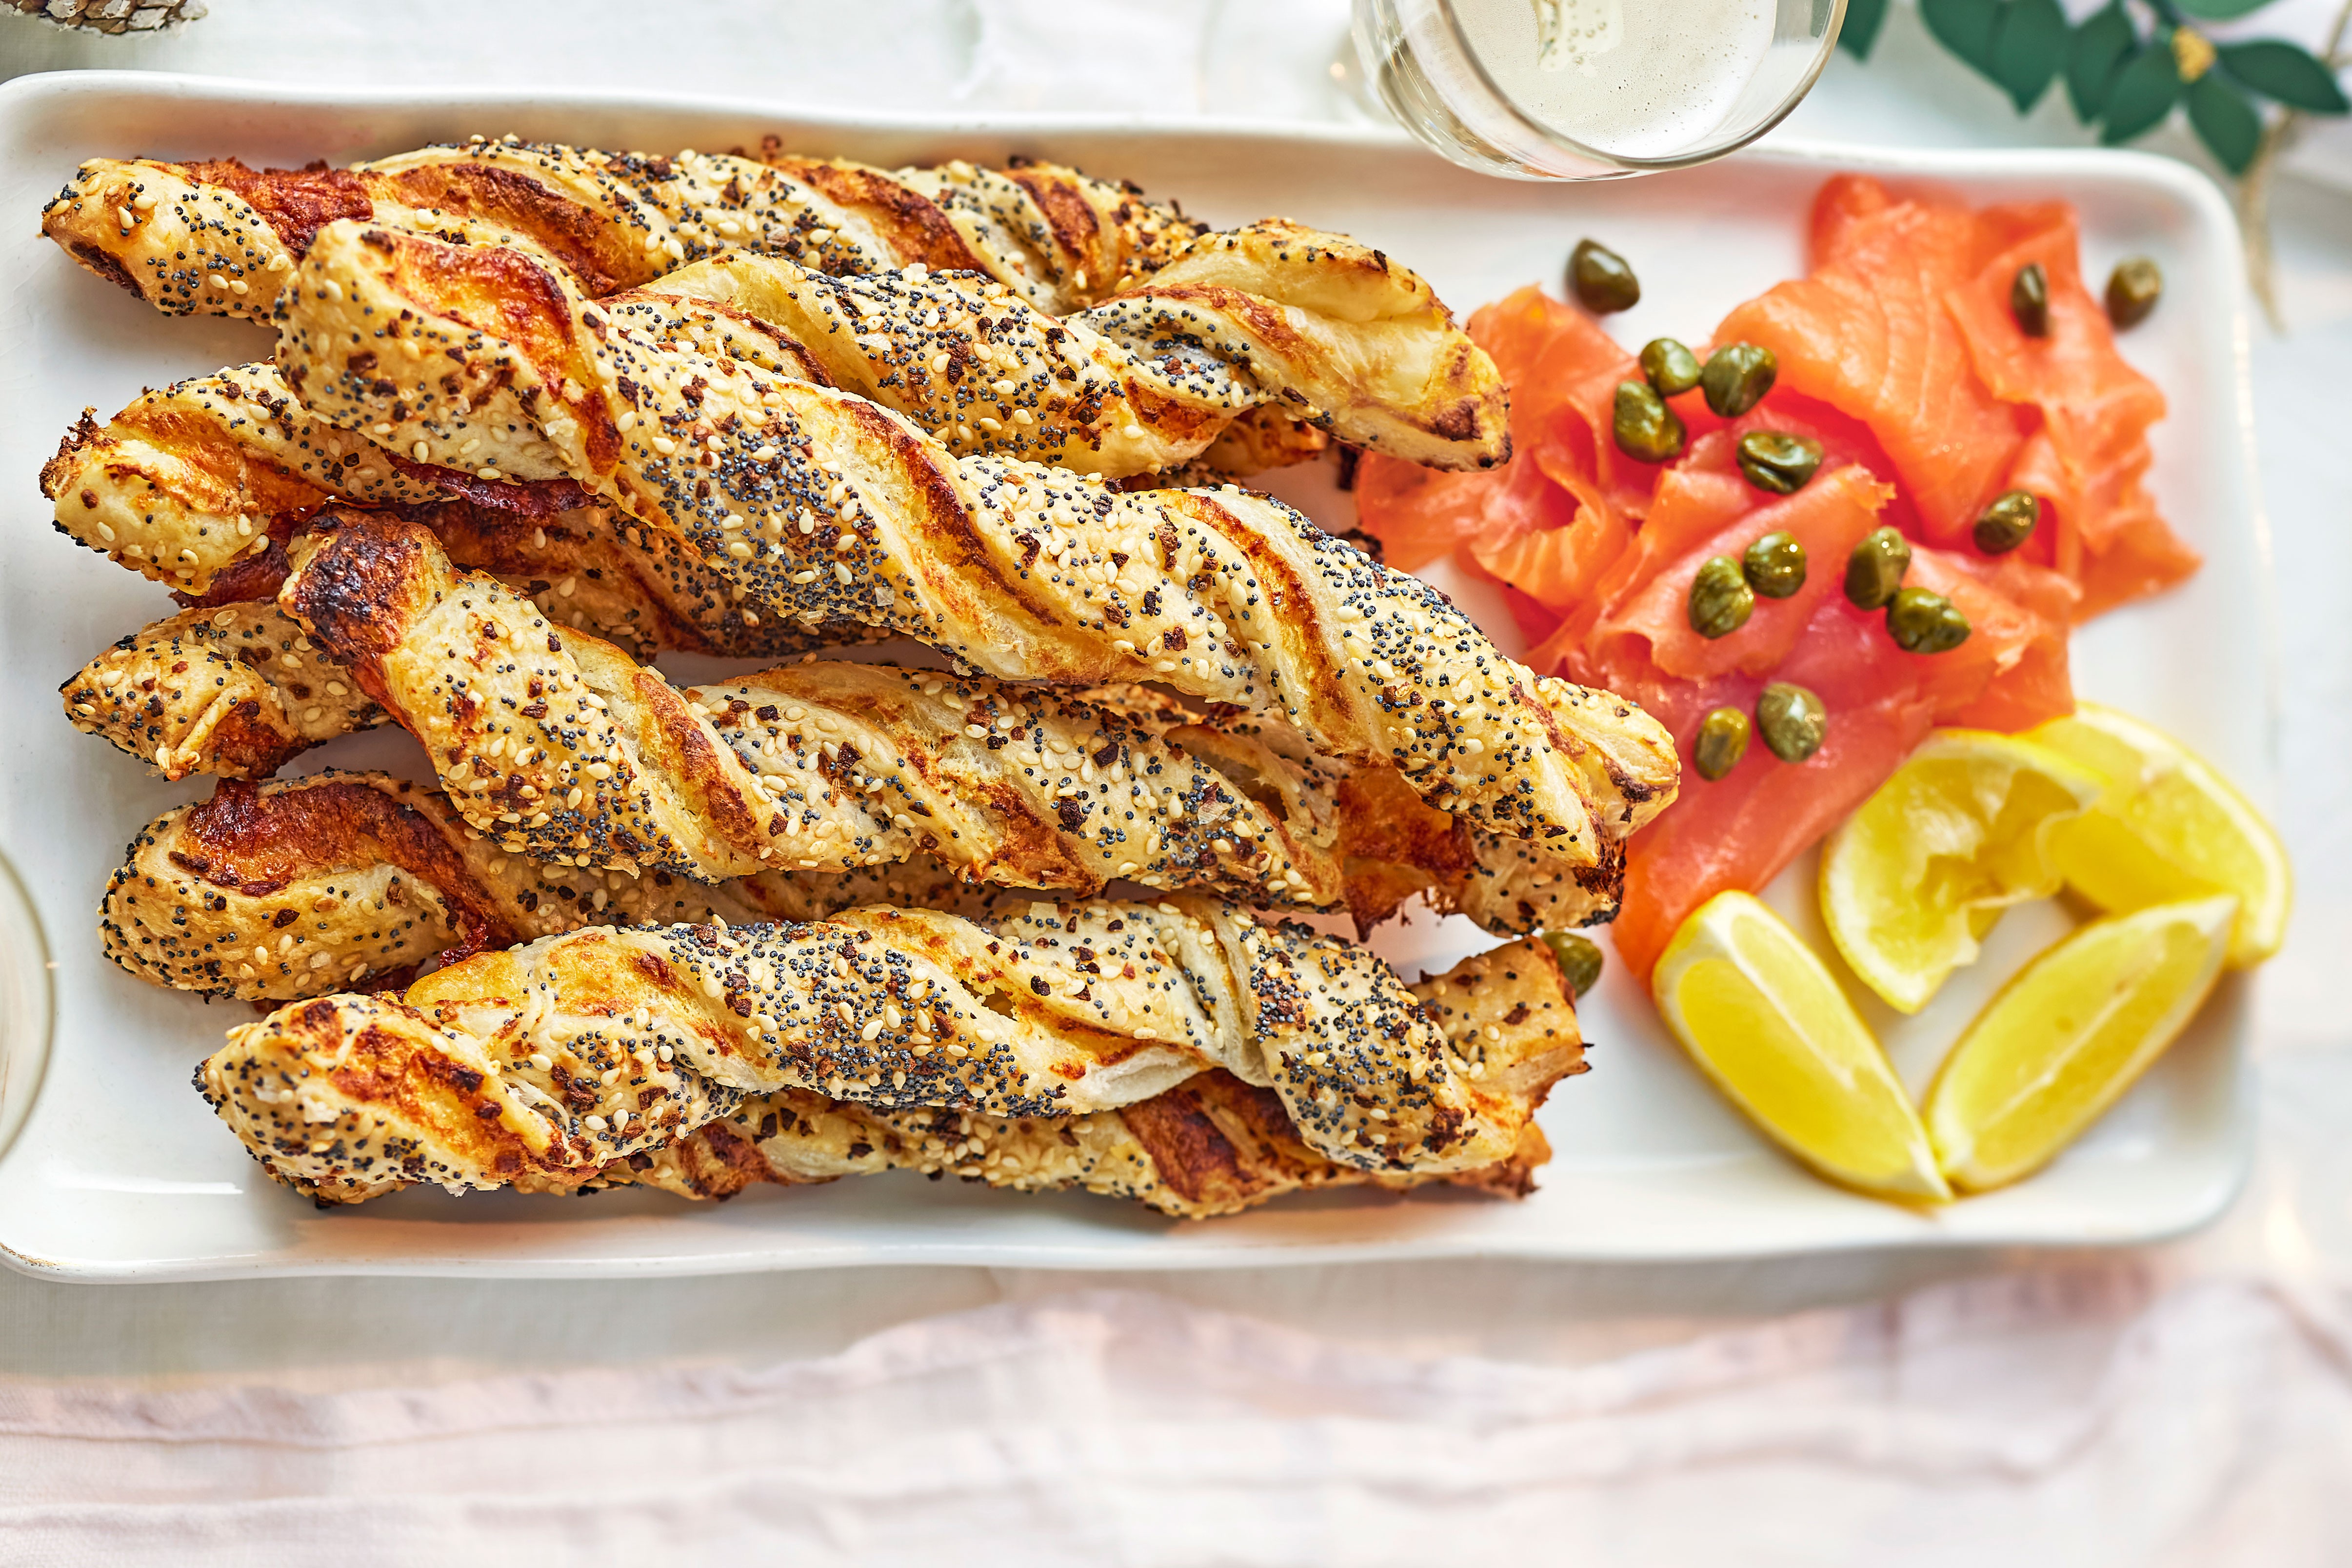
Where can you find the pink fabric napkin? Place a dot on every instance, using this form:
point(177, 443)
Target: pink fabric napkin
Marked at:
point(2058, 1416)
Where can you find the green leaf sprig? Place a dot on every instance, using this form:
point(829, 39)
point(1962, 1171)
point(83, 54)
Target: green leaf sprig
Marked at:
point(2126, 66)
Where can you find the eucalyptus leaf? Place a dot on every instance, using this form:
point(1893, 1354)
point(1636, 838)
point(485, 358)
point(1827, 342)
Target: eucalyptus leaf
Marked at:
point(2224, 121)
point(1964, 26)
point(1859, 30)
point(2144, 92)
point(2282, 71)
point(2028, 48)
point(2219, 10)
point(2099, 47)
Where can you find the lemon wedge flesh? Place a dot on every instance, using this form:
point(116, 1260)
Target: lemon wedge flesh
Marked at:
point(1915, 877)
point(2169, 828)
point(2068, 1035)
point(1762, 1018)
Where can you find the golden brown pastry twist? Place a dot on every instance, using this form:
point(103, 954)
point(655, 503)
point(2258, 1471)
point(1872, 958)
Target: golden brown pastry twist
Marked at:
point(823, 505)
point(1210, 1145)
point(299, 887)
point(1271, 315)
point(234, 688)
point(542, 1065)
point(323, 882)
point(198, 484)
point(218, 238)
point(236, 691)
point(563, 749)
point(184, 484)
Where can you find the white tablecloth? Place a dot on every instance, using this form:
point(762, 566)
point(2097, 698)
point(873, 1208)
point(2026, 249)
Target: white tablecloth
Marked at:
point(2186, 1404)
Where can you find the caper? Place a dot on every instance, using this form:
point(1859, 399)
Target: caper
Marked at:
point(1774, 565)
point(1720, 599)
point(1777, 462)
point(1924, 622)
point(1722, 742)
point(2029, 300)
point(1874, 571)
point(1601, 279)
point(1791, 720)
point(2008, 522)
point(2133, 289)
point(1671, 368)
point(1647, 430)
point(1579, 959)
point(1736, 377)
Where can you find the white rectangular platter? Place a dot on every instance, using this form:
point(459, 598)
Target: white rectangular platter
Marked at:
point(120, 1171)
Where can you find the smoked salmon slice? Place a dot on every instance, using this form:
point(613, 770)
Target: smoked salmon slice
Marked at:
point(1565, 476)
point(2091, 452)
point(1868, 333)
point(1634, 638)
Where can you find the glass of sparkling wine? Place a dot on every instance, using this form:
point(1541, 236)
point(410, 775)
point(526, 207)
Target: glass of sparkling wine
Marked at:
point(1592, 90)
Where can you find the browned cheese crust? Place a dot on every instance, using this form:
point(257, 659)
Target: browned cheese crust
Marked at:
point(823, 505)
point(544, 1067)
point(217, 237)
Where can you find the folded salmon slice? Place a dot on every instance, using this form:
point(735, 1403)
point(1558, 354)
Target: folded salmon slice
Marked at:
point(2090, 454)
point(1867, 332)
point(1564, 504)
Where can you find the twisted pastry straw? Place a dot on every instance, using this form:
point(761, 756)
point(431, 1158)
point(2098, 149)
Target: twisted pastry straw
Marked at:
point(218, 238)
point(1210, 1145)
point(1325, 328)
point(820, 504)
point(298, 887)
point(184, 484)
point(238, 692)
point(197, 486)
point(233, 686)
point(303, 887)
point(545, 1063)
point(561, 747)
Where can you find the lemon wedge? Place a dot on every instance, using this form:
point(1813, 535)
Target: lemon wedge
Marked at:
point(1915, 877)
point(2169, 829)
point(2068, 1035)
point(1762, 1016)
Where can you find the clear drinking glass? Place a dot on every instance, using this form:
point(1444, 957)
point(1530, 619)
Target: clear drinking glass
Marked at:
point(1592, 90)
point(26, 1004)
